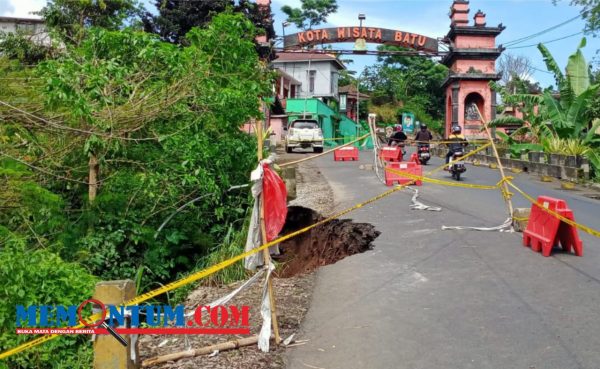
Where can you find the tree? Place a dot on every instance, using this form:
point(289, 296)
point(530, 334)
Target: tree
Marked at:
point(514, 68)
point(157, 125)
point(595, 105)
point(20, 46)
point(163, 123)
point(311, 13)
point(569, 115)
point(590, 11)
point(176, 18)
point(411, 80)
point(70, 18)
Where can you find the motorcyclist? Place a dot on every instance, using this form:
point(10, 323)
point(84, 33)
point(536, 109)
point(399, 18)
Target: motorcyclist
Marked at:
point(424, 135)
point(398, 136)
point(458, 142)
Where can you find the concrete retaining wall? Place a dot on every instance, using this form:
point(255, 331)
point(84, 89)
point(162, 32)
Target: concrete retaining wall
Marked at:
point(553, 165)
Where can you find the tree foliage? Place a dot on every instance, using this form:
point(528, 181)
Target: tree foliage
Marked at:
point(163, 124)
point(311, 13)
point(414, 83)
point(566, 116)
point(176, 18)
point(69, 19)
point(21, 46)
point(590, 11)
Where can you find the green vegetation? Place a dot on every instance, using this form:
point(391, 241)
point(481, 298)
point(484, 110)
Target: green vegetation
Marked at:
point(69, 20)
point(590, 10)
point(562, 122)
point(311, 13)
point(100, 143)
point(176, 18)
point(399, 84)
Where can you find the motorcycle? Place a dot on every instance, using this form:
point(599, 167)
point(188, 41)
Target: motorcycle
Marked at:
point(457, 166)
point(423, 152)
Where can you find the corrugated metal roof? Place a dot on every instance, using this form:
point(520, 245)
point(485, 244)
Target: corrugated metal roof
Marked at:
point(289, 57)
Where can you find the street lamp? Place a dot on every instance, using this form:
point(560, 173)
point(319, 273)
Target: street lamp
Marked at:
point(283, 25)
point(361, 18)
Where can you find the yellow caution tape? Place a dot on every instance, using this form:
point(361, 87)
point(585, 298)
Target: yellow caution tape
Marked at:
point(442, 142)
point(498, 185)
point(338, 138)
point(224, 264)
point(461, 158)
point(441, 182)
point(206, 272)
point(324, 153)
point(582, 227)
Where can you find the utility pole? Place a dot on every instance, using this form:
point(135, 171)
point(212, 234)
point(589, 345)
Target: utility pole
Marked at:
point(361, 18)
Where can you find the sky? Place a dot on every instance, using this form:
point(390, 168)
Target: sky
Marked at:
point(430, 17)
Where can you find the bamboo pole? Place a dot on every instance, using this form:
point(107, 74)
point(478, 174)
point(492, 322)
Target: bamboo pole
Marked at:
point(224, 346)
point(504, 184)
point(263, 232)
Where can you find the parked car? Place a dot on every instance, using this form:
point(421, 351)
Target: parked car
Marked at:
point(304, 133)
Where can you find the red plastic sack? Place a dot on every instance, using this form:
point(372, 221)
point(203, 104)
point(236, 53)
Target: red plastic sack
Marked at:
point(275, 197)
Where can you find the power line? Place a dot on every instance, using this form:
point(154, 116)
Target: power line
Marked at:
point(526, 38)
point(545, 42)
point(541, 70)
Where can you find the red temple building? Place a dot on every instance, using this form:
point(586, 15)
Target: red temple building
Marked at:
point(472, 61)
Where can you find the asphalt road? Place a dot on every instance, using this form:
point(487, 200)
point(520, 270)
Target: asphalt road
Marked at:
point(427, 298)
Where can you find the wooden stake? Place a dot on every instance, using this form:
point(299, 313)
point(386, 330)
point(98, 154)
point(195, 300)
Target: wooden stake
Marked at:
point(504, 184)
point(263, 232)
point(201, 351)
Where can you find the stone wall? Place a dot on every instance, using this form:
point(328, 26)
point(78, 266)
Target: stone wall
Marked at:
point(564, 167)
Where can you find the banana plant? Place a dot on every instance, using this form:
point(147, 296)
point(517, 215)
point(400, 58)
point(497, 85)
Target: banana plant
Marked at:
point(564, 116)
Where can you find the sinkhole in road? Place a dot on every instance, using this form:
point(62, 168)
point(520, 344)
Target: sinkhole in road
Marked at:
point(323, 245)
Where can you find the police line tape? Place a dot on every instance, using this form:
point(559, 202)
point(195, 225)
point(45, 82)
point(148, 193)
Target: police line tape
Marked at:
point(338, 138)
point(206, 272)
point(323, 153)
point(224, 264)
point(442, 182)
point(582, 227)
point(470, 142)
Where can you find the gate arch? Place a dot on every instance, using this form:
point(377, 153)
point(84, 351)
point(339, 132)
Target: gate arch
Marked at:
point(470, 57)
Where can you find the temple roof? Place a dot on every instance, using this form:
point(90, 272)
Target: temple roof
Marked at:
point(474, 30)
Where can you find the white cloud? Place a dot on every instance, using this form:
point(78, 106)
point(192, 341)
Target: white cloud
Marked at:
point(21, 8)
point(6, 8)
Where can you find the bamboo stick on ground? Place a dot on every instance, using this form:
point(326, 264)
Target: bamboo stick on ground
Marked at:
point(230, 345)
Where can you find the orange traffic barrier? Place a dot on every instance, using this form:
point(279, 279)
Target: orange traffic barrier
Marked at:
point(345, 153)
point(545, 231)
point(405, 166)
point(415, 158)
point(391, 154)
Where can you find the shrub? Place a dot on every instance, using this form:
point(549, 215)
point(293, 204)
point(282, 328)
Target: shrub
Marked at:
point(40, 277)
